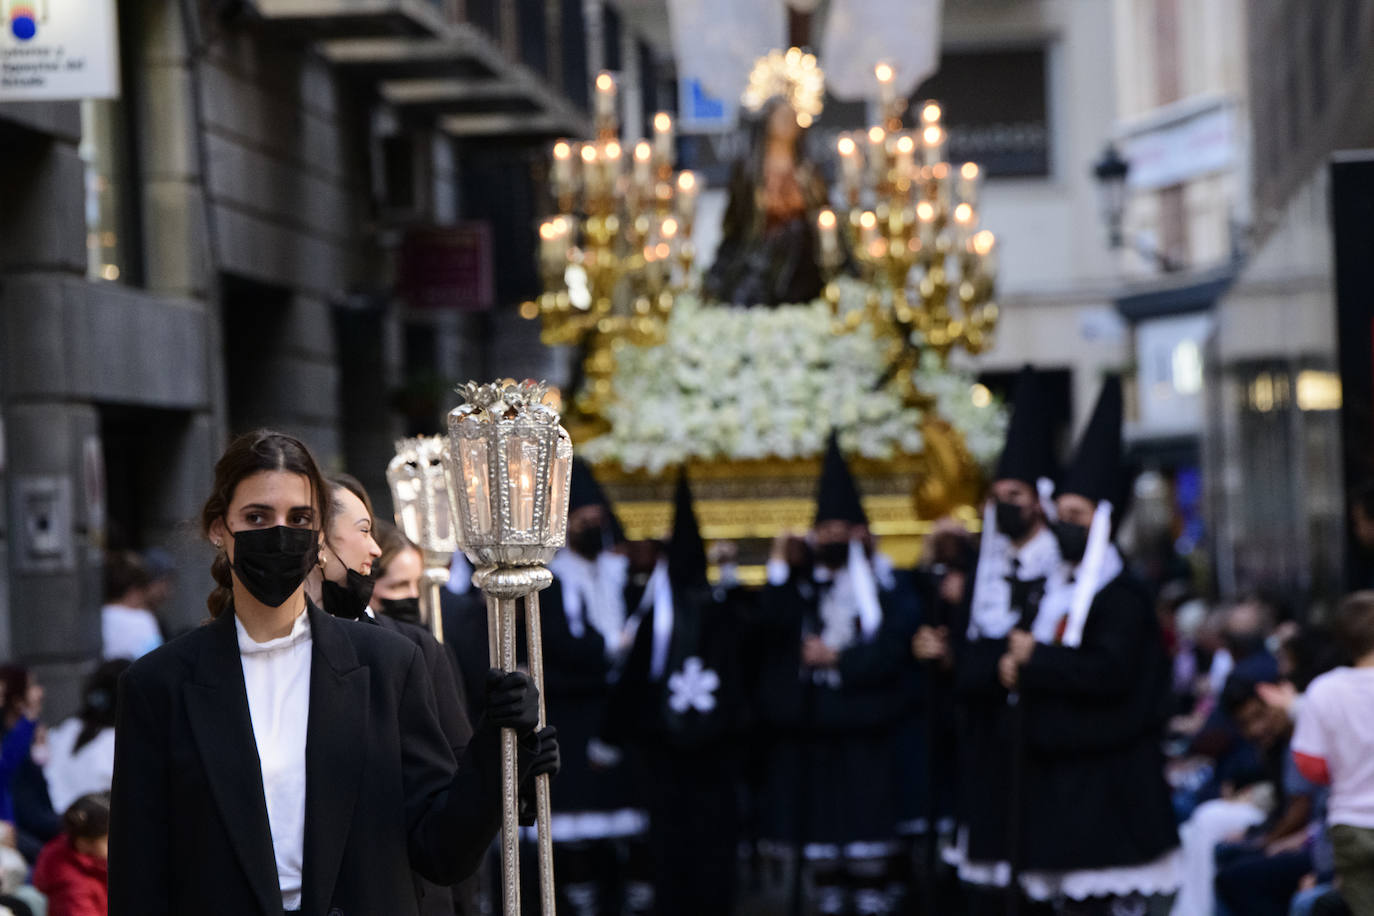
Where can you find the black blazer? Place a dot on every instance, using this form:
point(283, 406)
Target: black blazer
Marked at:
point(188, 824)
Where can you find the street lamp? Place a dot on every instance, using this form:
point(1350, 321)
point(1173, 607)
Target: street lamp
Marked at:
point(1111, 171)
point(510, 462)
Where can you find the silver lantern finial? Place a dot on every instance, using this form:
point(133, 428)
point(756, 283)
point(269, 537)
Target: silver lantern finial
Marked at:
point(510, 464)
point(423, 500)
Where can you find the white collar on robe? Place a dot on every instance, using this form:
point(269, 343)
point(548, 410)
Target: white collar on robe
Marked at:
point(991, 616)
point(603, 581)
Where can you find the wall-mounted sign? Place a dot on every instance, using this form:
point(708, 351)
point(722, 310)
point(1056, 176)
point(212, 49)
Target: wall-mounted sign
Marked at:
point(448, 267)
point(1180, 142)
point(58, 50)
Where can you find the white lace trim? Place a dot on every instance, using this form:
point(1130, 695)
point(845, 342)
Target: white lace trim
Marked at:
point(1162, 876)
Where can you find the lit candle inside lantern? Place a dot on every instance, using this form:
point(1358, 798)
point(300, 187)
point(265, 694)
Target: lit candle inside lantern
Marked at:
point(605, 97)
point(969, 179)
point(933, 144)
point(829, 236)
point(564, 175)
point(887, 87)
point(687, 190)
point(663, 138)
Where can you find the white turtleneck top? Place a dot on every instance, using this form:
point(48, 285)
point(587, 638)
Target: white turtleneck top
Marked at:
point(277, 676)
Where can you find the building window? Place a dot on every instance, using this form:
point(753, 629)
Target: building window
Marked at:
point(996, 109)
point(110, 217)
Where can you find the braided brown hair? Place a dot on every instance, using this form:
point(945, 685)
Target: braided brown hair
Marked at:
point(249, 454)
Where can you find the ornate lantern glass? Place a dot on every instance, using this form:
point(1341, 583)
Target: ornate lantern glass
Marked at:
point(418, 476)
point(510, 462)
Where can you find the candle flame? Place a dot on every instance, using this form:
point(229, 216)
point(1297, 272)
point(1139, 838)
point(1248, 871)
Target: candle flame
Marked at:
point(969, 170)
point(643, 151)
point(663, 251)
point(613, 150)
point(547, 231)
point(884, 72)
point(686, 181)
point(963, 214)
point(662, 122)
point(983, 242)
point(906, 145)
point(925, 211)
point(562, 150)
point(669, 228)
point(868, 219)
point(932, 135)
point(876, 135)
point(604, 82)
point(930, 112)
point(846, 146)
point(589, 153)
point(826, 219)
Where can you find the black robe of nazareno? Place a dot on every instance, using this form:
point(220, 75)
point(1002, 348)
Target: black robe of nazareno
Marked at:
point(828, 773)
point(1095, 793)
point(686, 762)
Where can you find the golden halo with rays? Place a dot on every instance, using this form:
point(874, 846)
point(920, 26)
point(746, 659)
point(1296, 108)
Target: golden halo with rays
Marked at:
point(793, 75)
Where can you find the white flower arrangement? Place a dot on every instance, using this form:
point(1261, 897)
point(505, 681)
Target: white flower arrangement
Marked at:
point(739, 384)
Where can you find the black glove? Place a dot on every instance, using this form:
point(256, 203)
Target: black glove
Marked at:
point(539, 756)
point(512, 701)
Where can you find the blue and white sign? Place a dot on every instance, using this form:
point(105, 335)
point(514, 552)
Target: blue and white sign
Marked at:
point(701, 112)
point(58, 50)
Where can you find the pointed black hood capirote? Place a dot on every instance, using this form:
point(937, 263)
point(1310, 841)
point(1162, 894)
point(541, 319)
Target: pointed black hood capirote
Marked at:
point(837, 495)
point(583, 490)
point(1028, 453)
point(1096, 471)
point(686, 549)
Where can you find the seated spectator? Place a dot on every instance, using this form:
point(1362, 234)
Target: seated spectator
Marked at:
point(128, 628)
point(23, 792)
point(81, 749)
point(1334, 744)
point(72, 869)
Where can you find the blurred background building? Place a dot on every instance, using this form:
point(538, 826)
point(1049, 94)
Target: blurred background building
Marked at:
point(320, 214)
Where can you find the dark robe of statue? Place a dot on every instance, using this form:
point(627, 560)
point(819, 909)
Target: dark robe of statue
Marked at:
point(768, 253)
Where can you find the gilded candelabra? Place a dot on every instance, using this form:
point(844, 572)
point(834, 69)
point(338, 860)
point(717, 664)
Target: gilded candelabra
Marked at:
point(912, 226)
point(618, 248)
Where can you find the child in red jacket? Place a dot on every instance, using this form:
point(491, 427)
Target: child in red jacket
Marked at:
point(71, 869)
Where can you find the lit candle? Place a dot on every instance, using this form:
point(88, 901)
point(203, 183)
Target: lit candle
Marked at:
point(877, 152)
point(687, 190)
point(563, 171)
point(933, 144)
point(605, 97)
point(851, 166)
point(970, 177)
point(663, 138)
point(591, 168)
point(983, 246)
point(906, 157)
point(965, 219)
point(868, 228)
point(925, 219)
point(610, 160)
point(643, 167)
point(887, 87)
point(830, 240)
point(931, 113)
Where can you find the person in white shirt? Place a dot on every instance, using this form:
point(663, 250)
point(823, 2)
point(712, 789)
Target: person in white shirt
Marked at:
point(81, 749)
point(1333, 744)
point(128, 629)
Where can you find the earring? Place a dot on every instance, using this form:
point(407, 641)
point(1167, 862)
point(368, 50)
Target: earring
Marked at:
point(219, 545)
point(323, 560)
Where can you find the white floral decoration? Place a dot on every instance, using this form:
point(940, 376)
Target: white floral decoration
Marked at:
point(740, 384)
point(694, 687)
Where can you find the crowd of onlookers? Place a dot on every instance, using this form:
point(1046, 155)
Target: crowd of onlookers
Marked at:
point(55, 780)
point(1272, 757)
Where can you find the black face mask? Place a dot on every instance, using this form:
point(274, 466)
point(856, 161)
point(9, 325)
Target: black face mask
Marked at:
point(587, 542)
point(1012, 521)
point(1073, 541)
point(832, 556)
point(272, 562)
point(350, 599)
point(403, 609)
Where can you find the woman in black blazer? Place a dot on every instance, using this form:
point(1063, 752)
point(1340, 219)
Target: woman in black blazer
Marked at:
point(279, 759)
